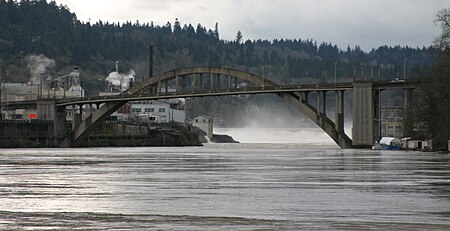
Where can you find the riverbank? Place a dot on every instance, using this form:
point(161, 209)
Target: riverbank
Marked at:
point(168, 137)
point(30, 134)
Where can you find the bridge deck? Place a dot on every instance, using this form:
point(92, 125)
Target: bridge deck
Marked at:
point(342, 86)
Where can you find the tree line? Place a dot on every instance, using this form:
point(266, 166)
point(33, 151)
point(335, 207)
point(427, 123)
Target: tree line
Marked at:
point(38, 27)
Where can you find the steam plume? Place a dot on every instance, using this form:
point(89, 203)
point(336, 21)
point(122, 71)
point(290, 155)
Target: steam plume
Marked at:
point(121, 81)
point(38, 64)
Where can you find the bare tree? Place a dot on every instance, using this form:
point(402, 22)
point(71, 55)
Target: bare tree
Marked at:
point(433, 107)
point(442, 42)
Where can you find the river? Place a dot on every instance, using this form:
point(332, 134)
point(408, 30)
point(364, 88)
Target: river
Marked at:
point(247, 186)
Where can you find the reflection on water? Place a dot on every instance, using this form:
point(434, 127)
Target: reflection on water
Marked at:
point(224, 186)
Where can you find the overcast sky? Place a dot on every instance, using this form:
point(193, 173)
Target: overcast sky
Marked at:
point(368, 23)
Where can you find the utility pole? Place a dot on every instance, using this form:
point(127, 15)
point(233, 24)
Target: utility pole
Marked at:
point(150, 60)
point(262, 76)
point(2, 91)
point(335, 63)
point(40, 94)
point(404, 68)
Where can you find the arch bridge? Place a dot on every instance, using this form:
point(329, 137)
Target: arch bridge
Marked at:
point(219, 81)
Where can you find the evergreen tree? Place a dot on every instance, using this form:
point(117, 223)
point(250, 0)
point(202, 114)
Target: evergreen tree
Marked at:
point(176, 27)
point(239, 37)
point(216, 31)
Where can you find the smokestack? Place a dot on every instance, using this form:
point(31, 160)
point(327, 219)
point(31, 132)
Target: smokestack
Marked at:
point(117, 66)
point(150, 60)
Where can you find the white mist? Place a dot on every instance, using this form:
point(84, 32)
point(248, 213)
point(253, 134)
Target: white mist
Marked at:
point(310, 136)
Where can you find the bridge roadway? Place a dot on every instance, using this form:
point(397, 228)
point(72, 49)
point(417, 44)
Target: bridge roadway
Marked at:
point(340, 86)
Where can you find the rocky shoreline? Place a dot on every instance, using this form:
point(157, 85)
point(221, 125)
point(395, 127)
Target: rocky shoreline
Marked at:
point(218, 138)
point(38, 135)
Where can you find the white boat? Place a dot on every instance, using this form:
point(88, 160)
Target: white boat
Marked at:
point(390, 143)
point(377, 146)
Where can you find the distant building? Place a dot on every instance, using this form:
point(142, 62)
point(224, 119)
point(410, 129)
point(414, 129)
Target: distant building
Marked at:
point(152, 111)
point(205, 124)
point(67, 86)
point(392, 121)
point(164, 111)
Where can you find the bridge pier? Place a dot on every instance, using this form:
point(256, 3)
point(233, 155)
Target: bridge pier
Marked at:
point(194, 82)
point(201, 81)
point(318, 104)
point(177, 83)
point(158, 88)
point(76, 116)
point(339, 111)
point(211, 81)
point(166, 85)
point(377, 114)
point(363, 114)
point(45, 110)
point(218, 81)
point(408, 125)
point(60, 128)
point(182, 83)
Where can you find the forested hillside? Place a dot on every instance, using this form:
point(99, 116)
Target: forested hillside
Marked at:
point(52, 31)
point(37, 27)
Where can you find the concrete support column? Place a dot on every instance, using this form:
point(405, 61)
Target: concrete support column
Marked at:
point(177, 83)
point(88, 118)
point(201, 82)
point(45, 109)
point(212, 80)
point(166, 84)
point(408, 124)
point(377, 114)
point(73, 109)
point(60, 125)
point(218, 81)
point(194, 82)
point(229, 82)
point(324, 103)
point(318, 103)
point(182, 83)
point(306, 96)
point(91, 110)
point(235, 82)
point(76, 116)
point(158, 88)
point(337, 111)
point(363, 116)
point(339, 114)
